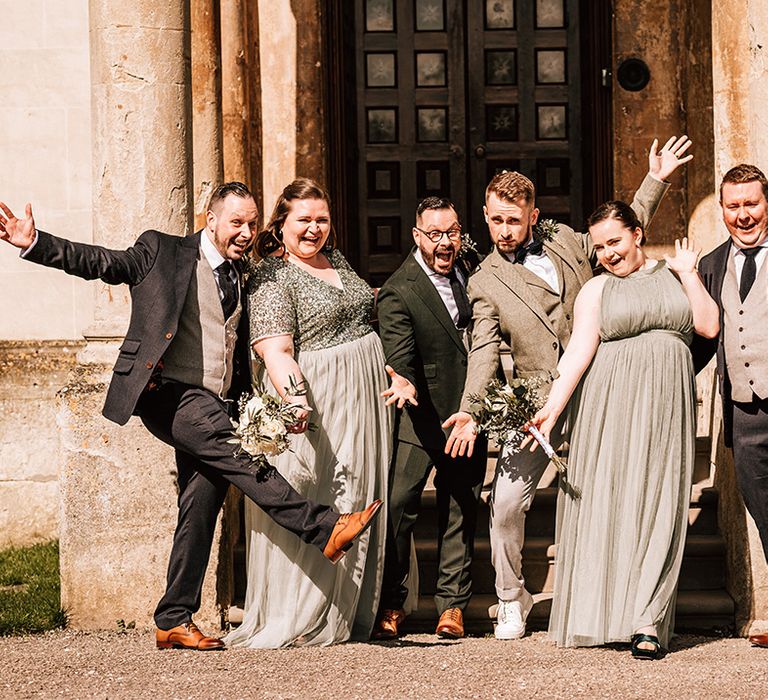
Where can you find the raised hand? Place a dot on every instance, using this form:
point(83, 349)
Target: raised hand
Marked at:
point(663, 163)
point(462, 437)
point(685, 257)
point(400, 390)
point(18, 232)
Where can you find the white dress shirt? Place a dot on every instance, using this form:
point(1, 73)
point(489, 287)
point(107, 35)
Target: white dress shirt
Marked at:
point(215, 258)
point(739, 258)
point(442, 285)
point(541, 266)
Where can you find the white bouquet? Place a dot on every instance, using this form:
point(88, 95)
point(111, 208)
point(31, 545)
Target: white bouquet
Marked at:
point(263, 427)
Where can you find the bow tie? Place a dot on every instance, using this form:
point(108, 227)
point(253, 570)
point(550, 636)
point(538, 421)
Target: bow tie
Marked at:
point(535, 247)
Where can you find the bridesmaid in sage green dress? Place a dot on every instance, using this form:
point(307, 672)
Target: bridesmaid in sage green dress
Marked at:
point(309, 318)
point(620, 545)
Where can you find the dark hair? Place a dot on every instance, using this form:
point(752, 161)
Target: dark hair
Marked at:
point(433, 204)
point(270, 240)
point(223, 191)
point(743, 173)
point(618, 210)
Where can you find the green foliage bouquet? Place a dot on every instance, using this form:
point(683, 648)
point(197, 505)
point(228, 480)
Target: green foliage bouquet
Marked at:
point(504, 412)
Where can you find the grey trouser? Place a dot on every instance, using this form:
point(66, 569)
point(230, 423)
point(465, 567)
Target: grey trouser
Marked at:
point(514, 486)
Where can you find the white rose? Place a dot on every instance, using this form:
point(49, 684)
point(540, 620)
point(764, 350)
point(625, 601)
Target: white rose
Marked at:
point(272, 428)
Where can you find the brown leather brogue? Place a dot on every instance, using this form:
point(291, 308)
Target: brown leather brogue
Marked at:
point(451, 624)
point(187, 636)
point(347, 529)
point(388, 623)
point(759, 640)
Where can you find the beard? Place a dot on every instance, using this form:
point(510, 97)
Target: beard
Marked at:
point(438, 258)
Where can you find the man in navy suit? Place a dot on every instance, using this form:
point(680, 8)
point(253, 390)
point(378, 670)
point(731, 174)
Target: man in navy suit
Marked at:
point(184, 359)
point(736, 276)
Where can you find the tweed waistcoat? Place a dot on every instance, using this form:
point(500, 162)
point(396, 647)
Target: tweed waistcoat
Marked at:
point(202, 352)
point(557, 307)
point(744, 325)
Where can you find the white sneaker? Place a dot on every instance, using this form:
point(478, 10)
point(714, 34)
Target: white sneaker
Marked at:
point(510, 620)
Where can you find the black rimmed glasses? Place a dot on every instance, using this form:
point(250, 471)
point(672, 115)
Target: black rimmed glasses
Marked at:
point(453, 234)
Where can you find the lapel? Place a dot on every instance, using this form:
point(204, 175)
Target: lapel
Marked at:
point(187, 250)
point(719, 268)
point(558, 254)
point(511, 278)
point(426, 291)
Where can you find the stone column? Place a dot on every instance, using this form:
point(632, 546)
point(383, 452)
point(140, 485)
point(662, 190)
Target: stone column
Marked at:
point(278, 50)
point(208, 168)
point(117, 483)
point(740, 74)
point(234, 102)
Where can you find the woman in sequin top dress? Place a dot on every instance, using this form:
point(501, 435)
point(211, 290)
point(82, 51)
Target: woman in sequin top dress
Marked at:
point(310, 320)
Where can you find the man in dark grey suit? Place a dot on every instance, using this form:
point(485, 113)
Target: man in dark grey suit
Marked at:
point(736, 276)
point(423, 314)
point(184, 358)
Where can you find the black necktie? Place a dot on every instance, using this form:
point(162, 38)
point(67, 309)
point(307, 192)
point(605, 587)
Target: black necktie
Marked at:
point(533, 248)
point(228, 287)
point(749, 271)
point(461, 299)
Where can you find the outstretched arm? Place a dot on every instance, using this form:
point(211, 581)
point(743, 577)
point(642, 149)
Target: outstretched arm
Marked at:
point(661, 164)
point(706, 315)
point(87, 261)
point(577, 356)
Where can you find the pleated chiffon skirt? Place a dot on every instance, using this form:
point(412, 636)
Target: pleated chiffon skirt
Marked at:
point(295, 596)
point(620, 546)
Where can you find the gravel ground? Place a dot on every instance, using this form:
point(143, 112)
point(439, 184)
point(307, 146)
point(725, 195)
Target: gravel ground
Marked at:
point(111, 665)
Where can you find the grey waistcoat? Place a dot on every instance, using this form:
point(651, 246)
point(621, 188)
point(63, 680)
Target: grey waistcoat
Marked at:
point(202, 351)
point(744, 329)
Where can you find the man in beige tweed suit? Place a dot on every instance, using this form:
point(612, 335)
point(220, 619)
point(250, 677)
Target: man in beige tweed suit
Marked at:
point(523, 294)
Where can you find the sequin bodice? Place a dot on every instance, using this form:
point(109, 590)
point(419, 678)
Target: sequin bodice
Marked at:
point(284, 298)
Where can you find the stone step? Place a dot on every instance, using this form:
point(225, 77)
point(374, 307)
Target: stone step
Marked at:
point(703, 566)
point(540, 520)
point(696, 611)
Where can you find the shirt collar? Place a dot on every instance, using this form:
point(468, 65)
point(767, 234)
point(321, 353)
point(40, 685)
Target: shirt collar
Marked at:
point(735, 250)
point(213, 256)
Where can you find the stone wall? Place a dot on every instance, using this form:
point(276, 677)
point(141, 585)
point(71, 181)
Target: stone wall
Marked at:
point(31, 373)
point(674, 39)
point(45, 150)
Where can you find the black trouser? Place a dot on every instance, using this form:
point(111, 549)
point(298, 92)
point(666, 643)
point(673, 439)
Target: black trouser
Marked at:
point(750, 455)
point(458, 483)
point(196, 424)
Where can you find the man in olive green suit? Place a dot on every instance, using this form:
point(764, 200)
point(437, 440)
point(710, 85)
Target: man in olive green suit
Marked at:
point(424, 313)
point(523, 293)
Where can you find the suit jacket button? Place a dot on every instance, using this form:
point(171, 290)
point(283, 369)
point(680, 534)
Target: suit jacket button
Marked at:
point(149, 365)
point(168, 336)
point(554, 346)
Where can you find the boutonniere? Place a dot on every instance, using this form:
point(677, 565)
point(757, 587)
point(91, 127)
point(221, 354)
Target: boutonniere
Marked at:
point(545, 230)
point(467, 245)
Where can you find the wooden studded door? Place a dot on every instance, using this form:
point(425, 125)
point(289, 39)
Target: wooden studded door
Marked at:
point(447, 93)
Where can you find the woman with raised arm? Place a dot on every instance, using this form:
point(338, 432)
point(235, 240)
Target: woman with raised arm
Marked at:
point(620, 545)
point(309, 318)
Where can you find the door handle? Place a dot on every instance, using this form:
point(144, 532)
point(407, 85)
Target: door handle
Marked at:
point(456, 150)
point(480, 151)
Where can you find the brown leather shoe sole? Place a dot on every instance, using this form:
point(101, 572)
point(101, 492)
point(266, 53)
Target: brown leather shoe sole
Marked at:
point(187, 637)
point(338, 552)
